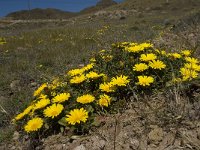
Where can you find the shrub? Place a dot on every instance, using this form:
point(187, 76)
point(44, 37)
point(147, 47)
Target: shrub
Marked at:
point(73, 101)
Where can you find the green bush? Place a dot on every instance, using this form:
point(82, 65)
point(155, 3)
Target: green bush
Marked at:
point(73, 100)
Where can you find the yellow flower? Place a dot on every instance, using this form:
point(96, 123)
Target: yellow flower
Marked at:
point(192, 66)
point(33, 124)
point(102, 51)
point(104, 76)
point(140, 67)
point(135, 48)
point(107, 57)
point(92, 75)
point(157, 64)
point(78, 79)
point(41, 103)
point(188, 74)
point(148, 57)
point(75, 72)
point(176, 80)
point(55, 83)
point(120, 80)
point(163, 53)
point(176, 55)
point(2, 41)
point(88, 67)
point(146, 45)
point(191, 60)
point(77, 116)
point(53, 110)
point(106, 87)
point(145, 80)
point(42, 96)
point(92, 60)
point(186, 52)
point(19, 116)
point(104, 100)
point(28, 109)
point(61, 98)
point(40, 89)
point(158, 51)
point(138, 47)
point(24, 113)
point(85, 99)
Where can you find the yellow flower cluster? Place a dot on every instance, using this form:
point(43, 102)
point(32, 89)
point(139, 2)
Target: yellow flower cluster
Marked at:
point(110, 76)
point(112, 85)
point(136, 48)
point(190, 69)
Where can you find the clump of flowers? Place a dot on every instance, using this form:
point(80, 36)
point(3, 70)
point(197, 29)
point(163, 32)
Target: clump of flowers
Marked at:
point(74, 100)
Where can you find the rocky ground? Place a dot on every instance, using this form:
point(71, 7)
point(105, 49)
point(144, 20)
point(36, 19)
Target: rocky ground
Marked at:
point(159, 122)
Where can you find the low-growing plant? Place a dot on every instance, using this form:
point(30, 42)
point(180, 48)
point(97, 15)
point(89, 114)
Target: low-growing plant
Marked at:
point(2, 41)
point(72, 102)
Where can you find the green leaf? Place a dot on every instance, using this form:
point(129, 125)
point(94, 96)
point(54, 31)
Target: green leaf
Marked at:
point(90, 108)
point(62, 129)
point(63, 121)
point(46, 126)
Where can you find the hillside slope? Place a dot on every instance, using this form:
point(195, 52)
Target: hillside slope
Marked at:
point(38, 13)
point(51, 13)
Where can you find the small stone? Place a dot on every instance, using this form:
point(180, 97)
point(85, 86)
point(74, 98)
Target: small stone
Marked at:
point(177, 143)
point(198, 132)
point(59, 147)
point(2, 99)
point(13, 148)
point(33, 84)
point(191, 35)
point(102, 143)
point(134, 143)
point(81, 65)
point(15, 85)
point(80, 147)
point(16, 136)
point(156, 134)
